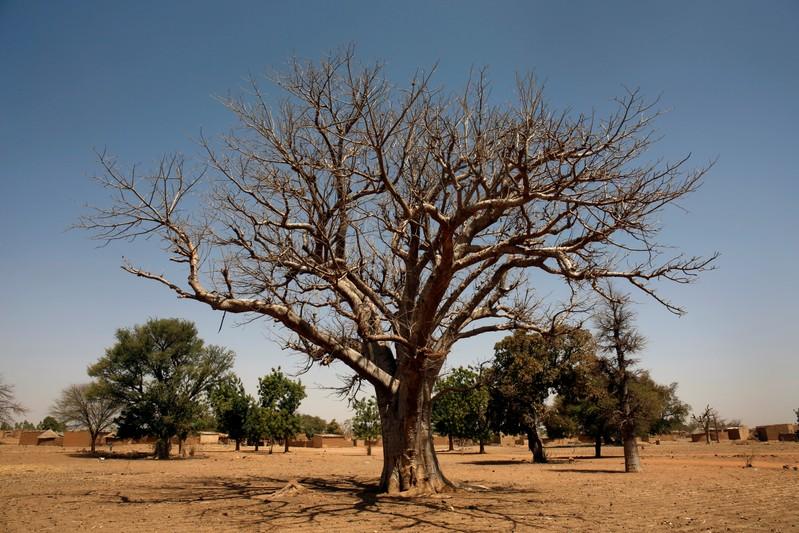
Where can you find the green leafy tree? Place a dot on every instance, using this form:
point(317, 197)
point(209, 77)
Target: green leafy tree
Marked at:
point(281, 397)
point(259, 427)
point(585, 406)
point(366, 422)
point(50, 423)
point(231, 405)
point(25, 425)
point(86, 406)
point(657, 408)
point(526, 370)
point(9, 407)
point(311, 425)
point(160, 372)
point(460, 406)
point(333, 428)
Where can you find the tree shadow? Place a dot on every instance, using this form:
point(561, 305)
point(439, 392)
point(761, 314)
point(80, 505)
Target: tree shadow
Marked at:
point(310, 502)
point(111, 455)
point(589, 470)
point(498, 462)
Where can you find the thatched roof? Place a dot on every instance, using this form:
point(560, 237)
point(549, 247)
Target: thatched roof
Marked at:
point(49, 434)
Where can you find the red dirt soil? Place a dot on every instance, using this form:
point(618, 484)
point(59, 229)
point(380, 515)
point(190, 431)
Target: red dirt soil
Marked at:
point(684, 487)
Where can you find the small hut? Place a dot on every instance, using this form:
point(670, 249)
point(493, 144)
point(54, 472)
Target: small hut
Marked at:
point(773, 431)
point(738, 432)
point(49, 438)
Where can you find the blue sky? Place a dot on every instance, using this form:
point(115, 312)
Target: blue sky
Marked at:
point(140, 78)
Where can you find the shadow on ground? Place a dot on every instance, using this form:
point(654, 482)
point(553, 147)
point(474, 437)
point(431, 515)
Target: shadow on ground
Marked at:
point(327, 503)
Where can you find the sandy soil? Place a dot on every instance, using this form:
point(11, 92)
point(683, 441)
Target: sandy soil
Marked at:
point(685, 487)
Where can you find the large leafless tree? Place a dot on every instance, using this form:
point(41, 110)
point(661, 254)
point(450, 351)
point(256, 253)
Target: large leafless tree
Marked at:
point(382, 225)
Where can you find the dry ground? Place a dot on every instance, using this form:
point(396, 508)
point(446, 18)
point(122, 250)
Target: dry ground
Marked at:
point(685, 487)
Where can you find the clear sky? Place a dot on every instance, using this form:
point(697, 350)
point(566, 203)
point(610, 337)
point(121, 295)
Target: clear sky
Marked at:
point(140, 77)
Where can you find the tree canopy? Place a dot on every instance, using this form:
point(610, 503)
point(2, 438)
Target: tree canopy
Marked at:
point(160, 373)
point(86, 406)
point(366, 422)
point(281, 397)
point(231, 405)
point(460, 406)
point(51, 423)
point(380, 225)
point(526, 370)
point(311, 425)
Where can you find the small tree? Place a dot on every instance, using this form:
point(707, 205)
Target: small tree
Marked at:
point(527, 369)
point(460, 406)
point(705, 419)
point(671, 411)
point(311, 425)
point(449, 410)
point(333, 427)
point(618, 339)
point(366, 422)
point(258, 426)
point(231, 405)
point(86, 406)
point(159, 372)
point(281, 397)
point(50, 423)
point(9, 407)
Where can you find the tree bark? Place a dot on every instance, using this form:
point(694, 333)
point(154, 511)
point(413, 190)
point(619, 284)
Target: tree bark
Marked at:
point(238, 444)
point(93, 445)
point(451, 443)
point(162, 448)
point(286, 444)
point(410, 464)
point(598, 446)
point(536, 446)
point(482, 446)
point(632, 461)
point(368, 447)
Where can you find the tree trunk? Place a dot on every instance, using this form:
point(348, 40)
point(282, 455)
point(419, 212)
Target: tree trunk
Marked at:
point(238, 444)
point(410, 464)
point(93, 445)
point(451, 443)
point(632, 461)
point(286, 444)
point(482, 446)
point(162, 448)
point(598, 446)
point(256, 444)
point(536, 446)
point(368, 447)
